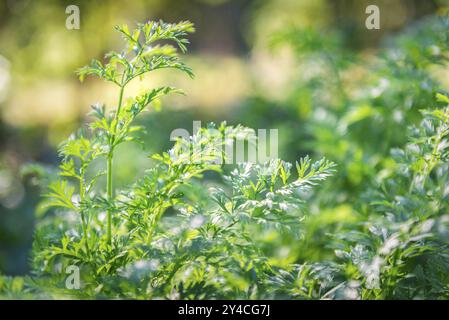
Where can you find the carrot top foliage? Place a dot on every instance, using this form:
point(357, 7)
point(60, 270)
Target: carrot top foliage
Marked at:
point(141, 241)
point(377, 229)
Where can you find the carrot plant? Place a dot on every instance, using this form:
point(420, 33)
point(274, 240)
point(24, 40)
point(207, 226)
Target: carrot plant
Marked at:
point(378, 230)
point(142, 55)
point(165, 235)
point(381, 228)
point(400, 251)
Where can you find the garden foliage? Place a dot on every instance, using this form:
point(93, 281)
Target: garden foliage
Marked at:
point(369, 224)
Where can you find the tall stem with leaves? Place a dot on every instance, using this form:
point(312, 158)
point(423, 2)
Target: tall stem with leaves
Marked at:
point(109, 180)
point(142, 55)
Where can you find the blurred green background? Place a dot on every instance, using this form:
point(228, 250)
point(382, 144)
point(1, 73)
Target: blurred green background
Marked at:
point(241, 77)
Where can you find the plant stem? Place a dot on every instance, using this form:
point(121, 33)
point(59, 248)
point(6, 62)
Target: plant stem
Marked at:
point(86, 239)
point(83, 216)
point(122, 89)
point(109, 185)
point(110, 194)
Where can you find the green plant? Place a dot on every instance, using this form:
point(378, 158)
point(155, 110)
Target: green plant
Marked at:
point(403, 250)
point(391, 239)
point(192, 228)
point(142, 55)
point(138, 242)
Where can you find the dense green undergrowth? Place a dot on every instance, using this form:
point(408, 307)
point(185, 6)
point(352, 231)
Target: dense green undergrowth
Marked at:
point(371, 223)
